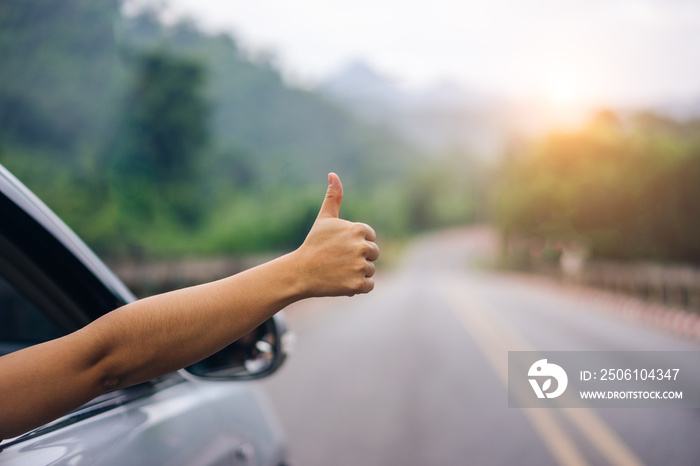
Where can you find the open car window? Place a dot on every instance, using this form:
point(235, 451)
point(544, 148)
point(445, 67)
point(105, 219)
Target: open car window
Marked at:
point(22, 323)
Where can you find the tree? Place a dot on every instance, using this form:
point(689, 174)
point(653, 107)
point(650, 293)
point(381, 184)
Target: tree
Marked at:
point(156, 157)
point(59, 71)
point(628, 194)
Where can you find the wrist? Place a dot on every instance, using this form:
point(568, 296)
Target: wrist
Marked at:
point(294, 277)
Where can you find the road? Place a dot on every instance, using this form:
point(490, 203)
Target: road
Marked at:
point(415, 373)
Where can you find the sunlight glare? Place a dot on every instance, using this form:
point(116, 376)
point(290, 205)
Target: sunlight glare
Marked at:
point(563, 90)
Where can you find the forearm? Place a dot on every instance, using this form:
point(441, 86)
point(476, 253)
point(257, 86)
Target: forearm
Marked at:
point(138, 342)
point(166, 332)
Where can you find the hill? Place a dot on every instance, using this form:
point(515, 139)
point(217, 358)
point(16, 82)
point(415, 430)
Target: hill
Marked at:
point(171, 140)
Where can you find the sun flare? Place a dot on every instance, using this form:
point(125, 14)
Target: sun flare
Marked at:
point(563, 90)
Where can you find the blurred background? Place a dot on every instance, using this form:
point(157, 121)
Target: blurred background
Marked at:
point(199, 128)
point(188, 139)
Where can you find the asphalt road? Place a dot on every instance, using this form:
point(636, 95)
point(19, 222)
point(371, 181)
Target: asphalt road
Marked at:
point(415, 373)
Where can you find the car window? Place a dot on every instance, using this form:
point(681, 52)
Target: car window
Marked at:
point(21, 322)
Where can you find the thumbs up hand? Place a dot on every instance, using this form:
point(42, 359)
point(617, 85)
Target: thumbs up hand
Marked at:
point(334, 196)
point(336, 257)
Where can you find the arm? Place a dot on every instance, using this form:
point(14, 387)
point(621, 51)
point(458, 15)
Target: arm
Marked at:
point(166, 332)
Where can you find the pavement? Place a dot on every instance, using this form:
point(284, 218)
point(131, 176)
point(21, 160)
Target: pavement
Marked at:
point(415, 373)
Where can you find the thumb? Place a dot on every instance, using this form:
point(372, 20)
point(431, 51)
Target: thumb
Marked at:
point(334, 196)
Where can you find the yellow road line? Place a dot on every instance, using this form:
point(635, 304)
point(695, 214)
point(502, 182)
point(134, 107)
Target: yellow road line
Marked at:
point(495, 337)
point(491, 341)
point(602, 436)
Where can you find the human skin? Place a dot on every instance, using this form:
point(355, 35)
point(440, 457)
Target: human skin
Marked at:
point(163, 333)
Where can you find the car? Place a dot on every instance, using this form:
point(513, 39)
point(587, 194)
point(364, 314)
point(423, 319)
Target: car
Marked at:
point(52, 284)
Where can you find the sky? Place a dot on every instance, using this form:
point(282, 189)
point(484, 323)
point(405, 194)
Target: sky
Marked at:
point(596, 52)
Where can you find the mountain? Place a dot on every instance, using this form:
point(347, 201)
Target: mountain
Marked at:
point(279, 132)
point(441, 118)
point(360, 81)
point(681, 109)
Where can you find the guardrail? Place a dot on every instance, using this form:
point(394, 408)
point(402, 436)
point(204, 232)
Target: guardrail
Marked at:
point(157, 276)
point(678, 286)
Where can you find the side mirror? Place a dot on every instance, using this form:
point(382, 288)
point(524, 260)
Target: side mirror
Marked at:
point(257, 354)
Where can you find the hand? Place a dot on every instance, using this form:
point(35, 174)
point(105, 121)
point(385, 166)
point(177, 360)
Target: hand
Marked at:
point(336, 257)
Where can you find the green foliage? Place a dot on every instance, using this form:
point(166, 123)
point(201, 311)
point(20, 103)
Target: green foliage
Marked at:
point(190, 145)
point(626, 193)
point(259, 221)
point(442, 193)
point(59, 71)
point(155, 162)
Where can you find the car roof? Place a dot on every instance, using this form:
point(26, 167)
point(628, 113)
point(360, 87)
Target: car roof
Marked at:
point(51, 244)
